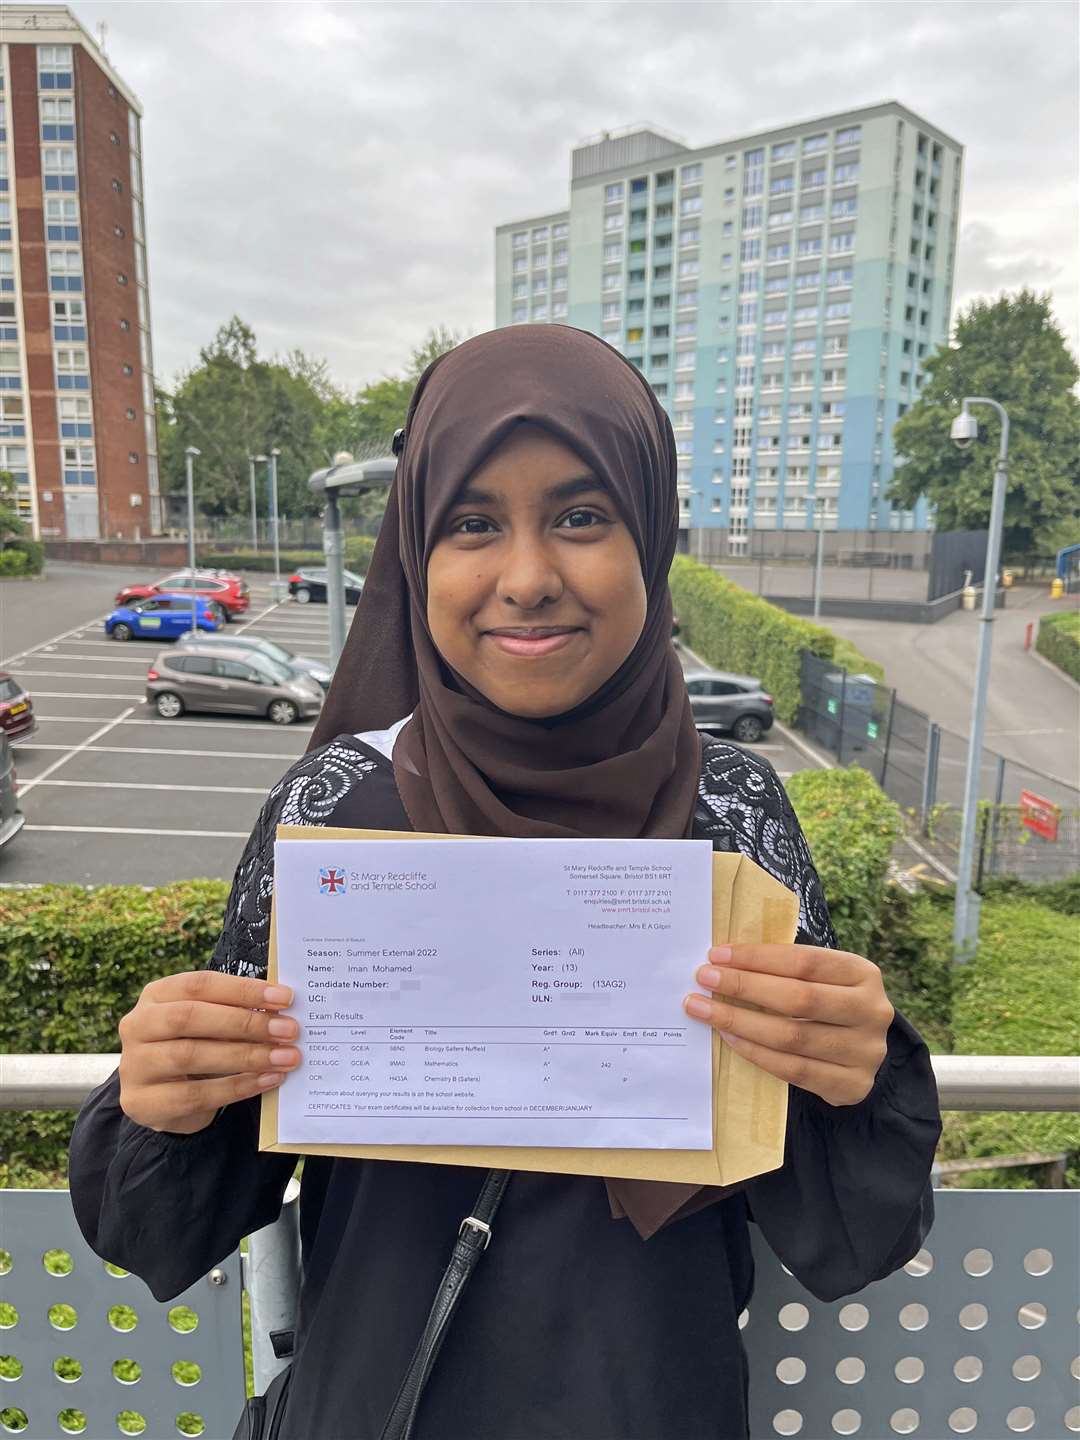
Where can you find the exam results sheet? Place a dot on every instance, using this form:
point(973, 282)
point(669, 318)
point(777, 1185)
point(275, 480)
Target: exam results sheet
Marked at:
point(495, 992)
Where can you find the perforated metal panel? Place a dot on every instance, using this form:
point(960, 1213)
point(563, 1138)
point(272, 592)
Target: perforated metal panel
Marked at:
point(34, 1222)
point(978, 1336)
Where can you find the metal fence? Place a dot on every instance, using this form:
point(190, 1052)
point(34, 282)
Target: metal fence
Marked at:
point(974, 1336)
point(1029, 824)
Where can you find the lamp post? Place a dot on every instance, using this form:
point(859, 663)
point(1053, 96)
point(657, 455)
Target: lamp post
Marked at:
point(189, 467)
point(819, 506)
point(964, 431)
point(254, 460)
point(276, 588)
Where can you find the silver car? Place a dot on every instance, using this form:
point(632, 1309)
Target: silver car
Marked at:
point(12, 819)
point(228, 681)
point(722, 701)
point(303, 664)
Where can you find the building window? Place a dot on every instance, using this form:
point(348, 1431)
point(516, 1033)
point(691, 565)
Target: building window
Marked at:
point(811, 246)
point(847, 206)
point(560, 231)
point(690, 205)
point(689, 235)
point(779, 218)
point(781, 185)
point(750, 250)
point(521, 237)
point(519, 313)
point(810, 213)
point(747, 314)
point(779, 252)
point(842, 276)
point(687, 299)
point(65, 270)
point(54, 67)
point(813, 143)
point(751, 217)
point(783, 151)
point(690, 174)
point(749, 282)
point(842, 173)
point(838, 244)
point(838, 311)
point(58, 168)
point(813, 179)
point(851, 136)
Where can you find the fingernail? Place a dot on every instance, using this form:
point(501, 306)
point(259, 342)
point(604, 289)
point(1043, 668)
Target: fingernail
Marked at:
point(720, 954)
point(699, 1006)
point(727, 1037)
point(709, 976)
point(272, 1077)
point(277, 995)
point(282, 1027)
point(282, 1057)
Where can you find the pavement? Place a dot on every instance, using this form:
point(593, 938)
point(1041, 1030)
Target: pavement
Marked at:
point(1033, 709)
point(111, 792)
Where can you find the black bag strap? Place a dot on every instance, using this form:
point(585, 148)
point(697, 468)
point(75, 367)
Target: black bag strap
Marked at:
point(474, 1237)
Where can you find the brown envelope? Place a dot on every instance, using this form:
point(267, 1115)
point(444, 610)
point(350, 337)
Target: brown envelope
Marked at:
point(749, 1105)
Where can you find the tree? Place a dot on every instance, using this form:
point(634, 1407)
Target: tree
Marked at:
point(1011, 350)
point(11, 527)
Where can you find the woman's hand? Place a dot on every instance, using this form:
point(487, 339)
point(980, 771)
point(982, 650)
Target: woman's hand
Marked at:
point(822, 1021)
point(200, 1040)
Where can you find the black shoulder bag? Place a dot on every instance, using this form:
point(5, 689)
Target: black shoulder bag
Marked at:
point(264, 1414)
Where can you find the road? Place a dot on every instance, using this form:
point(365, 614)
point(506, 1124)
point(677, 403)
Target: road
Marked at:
point(1033, 709)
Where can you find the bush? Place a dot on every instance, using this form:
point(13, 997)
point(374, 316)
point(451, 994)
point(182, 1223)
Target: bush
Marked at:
point(32, 553)
point(358, 550)
point(1059, 640)
point(734, 630)
point(913, 950)
point(72, 962)
point(13, 563)
point(851, 827)
point(261, 561)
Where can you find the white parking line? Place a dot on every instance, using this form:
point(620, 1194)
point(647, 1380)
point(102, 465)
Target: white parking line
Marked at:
point(259, 725)
point(83, 695)
point(94, 659)
point(52, 640)
point(151, 750)
point(117, 830)
point(67, 674)
point(255, 620)
point(71, 752)
point(134, 785)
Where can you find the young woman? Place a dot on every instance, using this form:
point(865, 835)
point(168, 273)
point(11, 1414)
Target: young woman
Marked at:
point(510, 672)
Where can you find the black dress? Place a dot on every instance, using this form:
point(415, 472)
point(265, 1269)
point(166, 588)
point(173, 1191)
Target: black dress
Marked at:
point(574, 1328)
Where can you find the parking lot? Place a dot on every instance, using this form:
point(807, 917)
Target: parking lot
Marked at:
point(112, 793)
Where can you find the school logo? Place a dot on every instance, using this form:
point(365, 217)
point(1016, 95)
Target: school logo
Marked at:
point(333, 881)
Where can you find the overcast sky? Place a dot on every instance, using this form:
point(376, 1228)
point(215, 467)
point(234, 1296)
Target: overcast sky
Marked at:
point(333, 173)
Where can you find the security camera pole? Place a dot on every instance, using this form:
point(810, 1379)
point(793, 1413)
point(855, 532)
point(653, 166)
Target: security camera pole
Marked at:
point(189, 463)
point(964, 431)
point(276, 587)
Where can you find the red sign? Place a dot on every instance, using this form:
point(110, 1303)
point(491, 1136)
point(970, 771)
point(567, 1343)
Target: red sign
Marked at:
point(1039, 815)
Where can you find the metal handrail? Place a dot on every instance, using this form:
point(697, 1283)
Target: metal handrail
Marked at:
point(965, 1082)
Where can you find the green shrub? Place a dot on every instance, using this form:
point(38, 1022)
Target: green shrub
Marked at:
point(913, 951)
point(261, 561)
point(358, 550)
point(72, 962)
point(13, 563)
point(1059, 640)
point(851, 827)
point(734, 630)
point(32, 551)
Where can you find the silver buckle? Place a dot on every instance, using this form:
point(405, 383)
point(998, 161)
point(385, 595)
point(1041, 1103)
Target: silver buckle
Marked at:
point(474, 1224)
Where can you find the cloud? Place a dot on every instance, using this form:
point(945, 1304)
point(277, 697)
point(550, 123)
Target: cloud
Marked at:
point(334, 172)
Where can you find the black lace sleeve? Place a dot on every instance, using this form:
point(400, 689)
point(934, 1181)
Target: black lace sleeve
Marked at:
point(308, 794)
point(742, 806)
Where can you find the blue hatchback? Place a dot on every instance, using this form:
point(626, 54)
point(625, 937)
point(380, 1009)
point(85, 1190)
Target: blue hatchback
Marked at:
point(159, 617)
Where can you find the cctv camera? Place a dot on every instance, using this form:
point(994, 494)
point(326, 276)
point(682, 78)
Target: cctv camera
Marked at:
point(964, 431)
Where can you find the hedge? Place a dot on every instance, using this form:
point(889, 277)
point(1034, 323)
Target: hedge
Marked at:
point(734, 630)
point(72, 962)
point(851, 827)
point(357, 549)
point(1059, 640)
point(22, 557)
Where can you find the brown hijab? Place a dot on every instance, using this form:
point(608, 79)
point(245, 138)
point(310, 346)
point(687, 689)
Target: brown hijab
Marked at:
point(624, 763)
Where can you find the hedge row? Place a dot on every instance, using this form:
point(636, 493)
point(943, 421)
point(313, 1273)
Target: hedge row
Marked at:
point(22, 558)
point(358, 550)
point(1059, 640)
point(734, 630)
point(851, 828)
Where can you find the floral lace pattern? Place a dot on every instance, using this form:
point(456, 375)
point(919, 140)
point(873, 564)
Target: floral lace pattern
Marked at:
point(741, 807)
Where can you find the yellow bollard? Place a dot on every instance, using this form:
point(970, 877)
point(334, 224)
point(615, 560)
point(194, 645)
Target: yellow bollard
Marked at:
point(1057, 588)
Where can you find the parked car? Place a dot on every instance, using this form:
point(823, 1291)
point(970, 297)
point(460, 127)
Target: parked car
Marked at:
point(16, 708)
point(231, 682)
point(308, 585)
point(229, 593)
point(161, 616)
point(12, 819)
point(301, 664)
point(724, 702)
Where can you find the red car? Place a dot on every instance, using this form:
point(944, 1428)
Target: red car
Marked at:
point(16, 708)
point(228, 592)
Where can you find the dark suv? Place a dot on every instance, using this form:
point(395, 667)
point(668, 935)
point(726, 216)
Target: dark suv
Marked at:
point(730, 703)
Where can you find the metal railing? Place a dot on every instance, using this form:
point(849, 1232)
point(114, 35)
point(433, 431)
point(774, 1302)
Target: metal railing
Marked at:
point(965, 1082)
point(1028, 1260)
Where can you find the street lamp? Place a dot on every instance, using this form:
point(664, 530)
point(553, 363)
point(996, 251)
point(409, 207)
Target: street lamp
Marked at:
point(189, 466)
point(963, 432)
point(276, 588)
point(254, 460)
